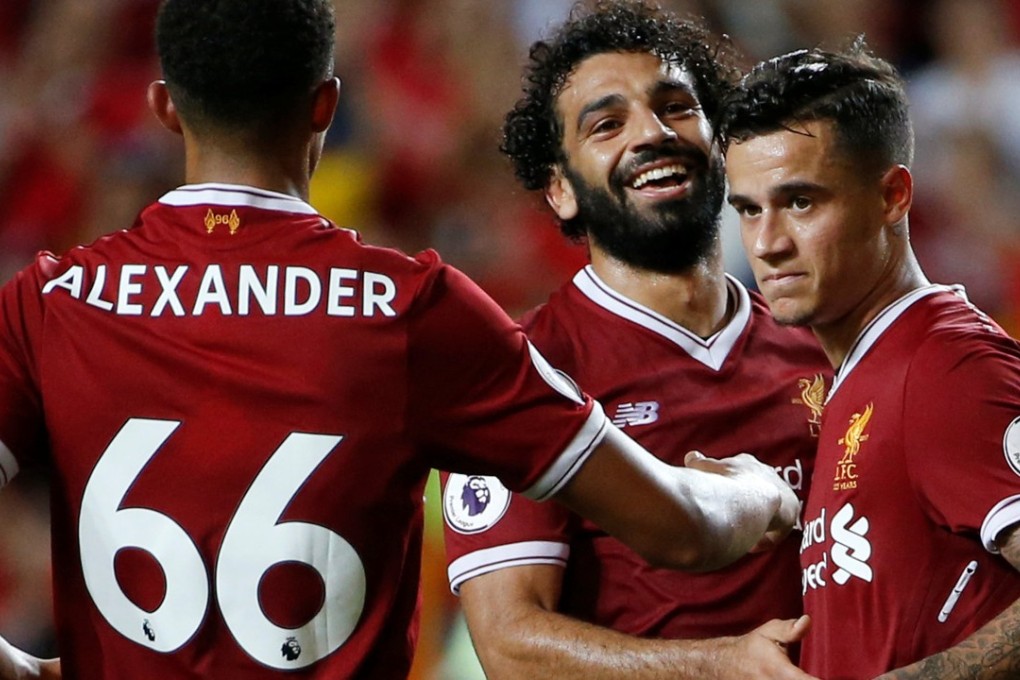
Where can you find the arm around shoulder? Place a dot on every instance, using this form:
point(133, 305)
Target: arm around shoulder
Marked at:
point(518, 633)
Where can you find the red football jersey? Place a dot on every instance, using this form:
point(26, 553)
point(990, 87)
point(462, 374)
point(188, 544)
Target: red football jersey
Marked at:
point(241, 404)
point(754, 387)
point(918, 470)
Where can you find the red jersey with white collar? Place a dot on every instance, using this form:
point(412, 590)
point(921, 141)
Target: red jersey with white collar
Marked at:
point(754, 386)
point(241, 403)
point(918, 471)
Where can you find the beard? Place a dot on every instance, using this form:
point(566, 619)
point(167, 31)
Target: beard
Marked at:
point(668, 237)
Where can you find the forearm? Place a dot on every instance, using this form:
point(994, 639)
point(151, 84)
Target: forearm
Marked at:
point(683, 518)
point(546, 644)
point(993, 651)
point(519, 634)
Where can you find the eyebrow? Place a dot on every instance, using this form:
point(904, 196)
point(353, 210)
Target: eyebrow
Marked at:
point(616, 99)
point(667, 86)
point(785, 189)
point(597, 105)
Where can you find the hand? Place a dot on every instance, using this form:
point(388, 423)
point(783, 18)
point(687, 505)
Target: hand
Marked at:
point(762, 653)
point(746, 466)
point(18, 665)
point(50, 669)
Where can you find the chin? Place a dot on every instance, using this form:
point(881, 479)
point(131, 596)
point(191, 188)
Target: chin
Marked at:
point(787, 314)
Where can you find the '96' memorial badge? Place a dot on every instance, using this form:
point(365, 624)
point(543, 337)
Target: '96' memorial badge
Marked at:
point(473, 503)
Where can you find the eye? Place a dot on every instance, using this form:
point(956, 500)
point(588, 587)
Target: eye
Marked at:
point(679, 108)
point(800, 203)
point(605, 125)
point(748, 210)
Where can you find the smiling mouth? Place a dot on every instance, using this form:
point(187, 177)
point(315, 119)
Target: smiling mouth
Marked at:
point(664, 177)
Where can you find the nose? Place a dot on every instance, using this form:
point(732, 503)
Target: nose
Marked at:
point(768, 239)
point(651, 130)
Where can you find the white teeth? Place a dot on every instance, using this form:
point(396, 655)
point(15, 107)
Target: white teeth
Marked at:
point(658, 173)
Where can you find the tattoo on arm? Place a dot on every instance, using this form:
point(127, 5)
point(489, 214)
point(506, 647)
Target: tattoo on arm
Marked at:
point(990, 653)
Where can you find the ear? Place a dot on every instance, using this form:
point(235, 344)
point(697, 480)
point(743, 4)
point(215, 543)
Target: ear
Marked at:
point(324, 103)
point(559, 194)
point(158, 98)
point(897, 193)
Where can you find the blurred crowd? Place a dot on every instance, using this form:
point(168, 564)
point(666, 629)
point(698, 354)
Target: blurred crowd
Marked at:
point(412, 161)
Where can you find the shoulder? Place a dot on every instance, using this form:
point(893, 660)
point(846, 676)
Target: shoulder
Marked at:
point(557, 327)
point(950, 337)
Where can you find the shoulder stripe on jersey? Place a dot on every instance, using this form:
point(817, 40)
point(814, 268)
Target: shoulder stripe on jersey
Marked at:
point(1005, 514)
point(874, 330)
point(502, 556)
point(8, 465)
point(573, 456)
point(236, 196)
point(711, 352)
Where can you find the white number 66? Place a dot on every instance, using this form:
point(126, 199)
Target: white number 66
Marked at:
point(255, 541)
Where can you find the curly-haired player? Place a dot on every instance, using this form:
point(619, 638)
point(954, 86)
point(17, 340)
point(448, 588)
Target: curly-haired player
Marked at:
point(613, 127)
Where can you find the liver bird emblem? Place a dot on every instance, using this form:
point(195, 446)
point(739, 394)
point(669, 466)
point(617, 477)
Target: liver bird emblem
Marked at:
point(855, 434)
point(812, 394)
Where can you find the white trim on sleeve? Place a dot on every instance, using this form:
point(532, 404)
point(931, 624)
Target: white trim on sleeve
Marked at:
point(1005, 514)
point(503, 556)
point(573, 457)
point(8, 465)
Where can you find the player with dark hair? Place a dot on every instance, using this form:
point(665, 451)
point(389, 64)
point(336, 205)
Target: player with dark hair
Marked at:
point(613, 127)
point(241, 402)
point(910, 550)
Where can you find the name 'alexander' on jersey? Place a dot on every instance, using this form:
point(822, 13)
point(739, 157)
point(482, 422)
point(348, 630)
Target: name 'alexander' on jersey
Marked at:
point(242, 290)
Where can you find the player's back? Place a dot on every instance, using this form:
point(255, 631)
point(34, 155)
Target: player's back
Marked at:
point(225, 390)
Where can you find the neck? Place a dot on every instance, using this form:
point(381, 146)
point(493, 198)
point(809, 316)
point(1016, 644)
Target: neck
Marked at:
point(237, 162)
point(696, 299)
point(837, 337)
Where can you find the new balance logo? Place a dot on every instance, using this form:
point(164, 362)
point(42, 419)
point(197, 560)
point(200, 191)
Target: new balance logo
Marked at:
point(636, 413)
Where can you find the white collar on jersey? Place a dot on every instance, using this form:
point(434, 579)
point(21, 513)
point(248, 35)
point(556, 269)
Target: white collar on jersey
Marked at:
point(712, 352)
point(879, 325)
point(237, 196)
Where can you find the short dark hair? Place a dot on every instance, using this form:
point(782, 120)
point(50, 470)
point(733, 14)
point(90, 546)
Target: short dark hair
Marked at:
point(861, 94)
point(532, 131)
point(243, 63)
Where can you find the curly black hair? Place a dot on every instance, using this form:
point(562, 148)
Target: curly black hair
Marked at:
point(863, 95)
point(533, 132)
point(243, 63)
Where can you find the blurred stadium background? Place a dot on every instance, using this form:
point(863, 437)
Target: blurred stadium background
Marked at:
point(412, 162)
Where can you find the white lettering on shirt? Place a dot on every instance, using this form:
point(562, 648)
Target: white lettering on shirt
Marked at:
point(128, 287)
point(168, 294)
point(69, 280)
point(137, 289)
point(96, 291)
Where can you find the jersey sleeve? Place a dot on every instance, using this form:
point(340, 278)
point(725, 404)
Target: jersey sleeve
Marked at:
point(488, 528)
point(962, 433)
point(484, 401)
point(21, 415)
